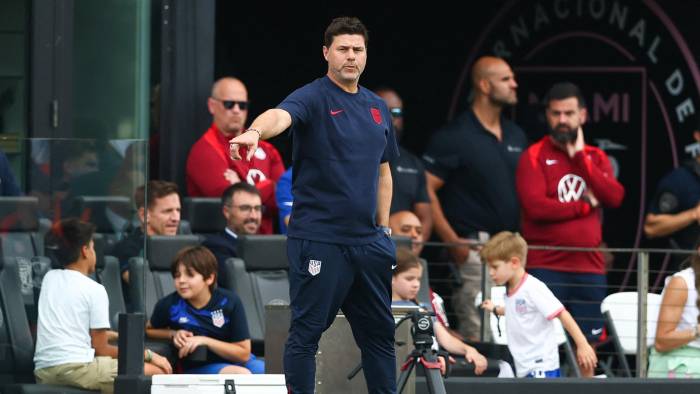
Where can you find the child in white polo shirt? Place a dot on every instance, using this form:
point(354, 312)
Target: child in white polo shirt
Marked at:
point(530, 307)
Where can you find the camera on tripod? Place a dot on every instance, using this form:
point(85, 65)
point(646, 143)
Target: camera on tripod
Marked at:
point(422, 354)
point(422, 329)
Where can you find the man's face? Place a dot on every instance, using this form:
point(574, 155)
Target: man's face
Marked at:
point(503, 88)
point(346, 58)
point(407, 224)
point(393, 101)
point(243, 213)
point(163, 217)
point(230, 121)
point(564, 117)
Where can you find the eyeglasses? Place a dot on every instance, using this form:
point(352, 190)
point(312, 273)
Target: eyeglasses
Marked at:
point(229, 104)
point(249, 208)
point(396, 112)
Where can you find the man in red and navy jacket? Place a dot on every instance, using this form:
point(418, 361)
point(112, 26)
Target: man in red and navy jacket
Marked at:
point(210, 169)
point(562, 184)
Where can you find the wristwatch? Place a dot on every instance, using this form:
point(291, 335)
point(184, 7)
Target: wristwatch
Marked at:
point(387, 230)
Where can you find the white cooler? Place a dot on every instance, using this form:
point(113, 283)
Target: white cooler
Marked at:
point(193, 384)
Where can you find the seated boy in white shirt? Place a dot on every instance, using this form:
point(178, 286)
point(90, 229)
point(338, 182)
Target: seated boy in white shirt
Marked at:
point(72, 347)
point(530, 307)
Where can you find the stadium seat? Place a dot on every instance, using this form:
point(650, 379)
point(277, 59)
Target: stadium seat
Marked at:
point(204, 215)
point(110, 214)
point(424, 291)
point(260, 276)
point(620, 313)
point(19, 226)
point(150, 279)
point(107, 272)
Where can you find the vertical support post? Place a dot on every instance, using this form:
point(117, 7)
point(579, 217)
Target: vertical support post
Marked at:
point(642, 290)
point(131, 343)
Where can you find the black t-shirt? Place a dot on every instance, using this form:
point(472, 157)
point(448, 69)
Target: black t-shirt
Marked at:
point(223, 318)
point(479, 174)
point(339, 139)
point(408, 180)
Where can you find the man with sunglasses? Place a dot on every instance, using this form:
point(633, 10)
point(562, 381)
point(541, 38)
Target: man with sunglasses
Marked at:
point(242, 207)
point(210, 170)
point(407, 171)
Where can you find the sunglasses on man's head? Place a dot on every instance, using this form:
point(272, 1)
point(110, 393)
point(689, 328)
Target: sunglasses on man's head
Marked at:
point(229, 104)
point(396, 112)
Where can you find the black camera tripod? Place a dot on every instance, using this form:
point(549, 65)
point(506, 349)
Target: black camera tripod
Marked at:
point(422, 354)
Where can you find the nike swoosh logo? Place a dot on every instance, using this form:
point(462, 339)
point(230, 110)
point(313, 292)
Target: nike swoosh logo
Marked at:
point(393, 267)
point(596, 331)
point(336, 112)
point(550, 162)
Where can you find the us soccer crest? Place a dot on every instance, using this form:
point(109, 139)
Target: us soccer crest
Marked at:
point(314, 267)
point(520, 306)
point(217, 318)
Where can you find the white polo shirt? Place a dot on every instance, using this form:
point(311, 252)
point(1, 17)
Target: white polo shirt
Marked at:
point(530, 308)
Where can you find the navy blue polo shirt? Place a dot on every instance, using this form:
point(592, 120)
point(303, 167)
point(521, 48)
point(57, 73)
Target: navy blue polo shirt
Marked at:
point(223, 318)
point(339, 139)
point(479, 174)
point(679, 191)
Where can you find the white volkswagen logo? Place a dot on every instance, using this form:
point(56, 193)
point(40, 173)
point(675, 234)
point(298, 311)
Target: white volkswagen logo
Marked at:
point(571, 188)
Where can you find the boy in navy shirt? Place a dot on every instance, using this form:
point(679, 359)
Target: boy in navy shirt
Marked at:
point(198, 313)
point(339, 250)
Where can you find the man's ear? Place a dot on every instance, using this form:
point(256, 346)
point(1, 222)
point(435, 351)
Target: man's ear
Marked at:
point(485, 86)
point(210, 105)
point(142, 214)
point(584, 116)
point(325, 52)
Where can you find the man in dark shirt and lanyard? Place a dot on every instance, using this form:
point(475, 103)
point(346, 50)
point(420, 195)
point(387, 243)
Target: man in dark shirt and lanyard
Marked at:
point(407, 171)
point(339, 249)
point(472, 162)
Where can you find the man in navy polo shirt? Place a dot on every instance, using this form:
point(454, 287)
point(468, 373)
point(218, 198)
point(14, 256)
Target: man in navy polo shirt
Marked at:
point(339, 249)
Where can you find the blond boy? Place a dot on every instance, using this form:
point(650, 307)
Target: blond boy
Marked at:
point(531, 308)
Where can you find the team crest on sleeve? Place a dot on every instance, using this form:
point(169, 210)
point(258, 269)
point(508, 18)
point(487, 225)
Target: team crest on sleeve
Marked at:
point(217, 318)
point(376, 115)
point(314, 267)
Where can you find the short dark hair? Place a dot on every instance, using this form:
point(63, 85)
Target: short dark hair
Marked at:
point(198, 259)
point(344, 25)
point(65, 239)
point(156, 189)
point(227, 196)
point(564, 90)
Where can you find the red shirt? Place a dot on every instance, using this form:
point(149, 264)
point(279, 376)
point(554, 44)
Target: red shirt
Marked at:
point(551, 187)
point(209, 159)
